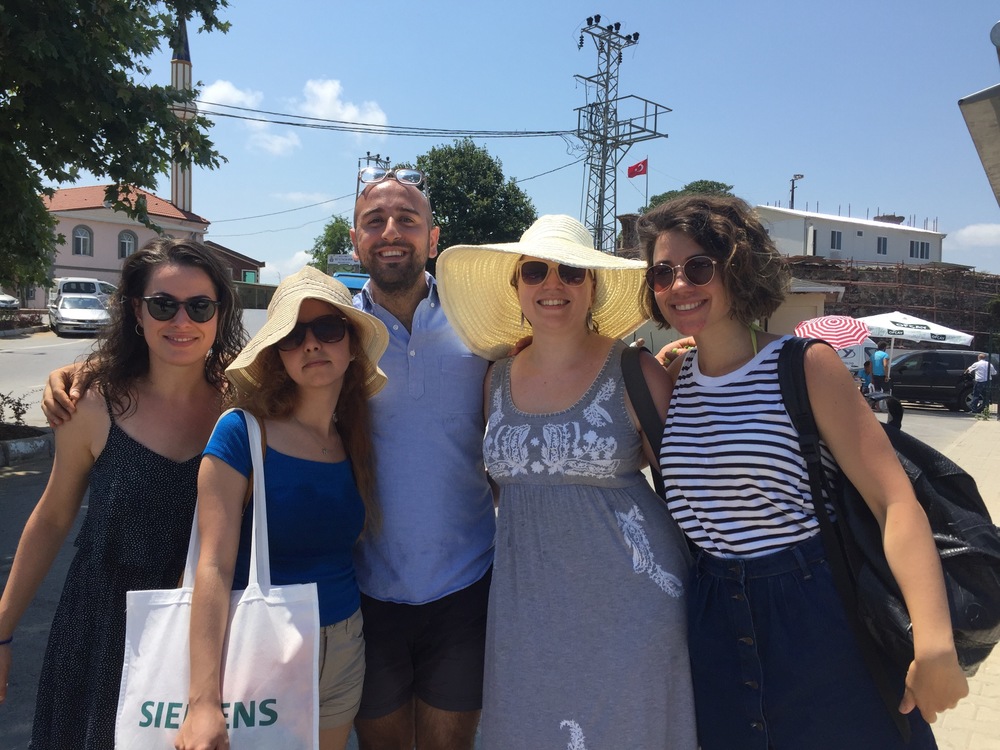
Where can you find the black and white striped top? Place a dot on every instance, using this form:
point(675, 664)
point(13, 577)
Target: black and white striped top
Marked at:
point(735, 478)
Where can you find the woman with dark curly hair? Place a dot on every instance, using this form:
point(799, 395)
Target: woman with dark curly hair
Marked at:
point(773, 659)
point(155, 391)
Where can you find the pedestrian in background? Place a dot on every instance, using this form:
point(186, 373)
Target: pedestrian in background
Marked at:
point(983, 371)
point(879, 361)
point(152, 391)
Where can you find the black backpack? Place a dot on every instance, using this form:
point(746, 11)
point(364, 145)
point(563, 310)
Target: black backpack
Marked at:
point(967, 541)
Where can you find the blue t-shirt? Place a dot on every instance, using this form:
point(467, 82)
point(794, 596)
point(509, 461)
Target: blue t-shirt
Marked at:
point(878, 362)
point(314, 516)
point(427, 426)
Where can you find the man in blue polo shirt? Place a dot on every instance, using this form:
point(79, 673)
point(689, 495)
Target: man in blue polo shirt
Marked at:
point(879, 360)
point(424, 576)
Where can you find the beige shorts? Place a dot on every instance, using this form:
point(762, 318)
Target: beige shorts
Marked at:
point(341, 671)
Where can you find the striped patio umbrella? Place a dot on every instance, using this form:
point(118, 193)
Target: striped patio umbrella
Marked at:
point(839, 331)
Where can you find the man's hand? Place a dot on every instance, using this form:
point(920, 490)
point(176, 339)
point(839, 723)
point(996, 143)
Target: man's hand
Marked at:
point(673, 350)
point(62, 391)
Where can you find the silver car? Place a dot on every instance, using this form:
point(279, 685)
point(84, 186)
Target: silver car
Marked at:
point(78, 313)
point(9, 303)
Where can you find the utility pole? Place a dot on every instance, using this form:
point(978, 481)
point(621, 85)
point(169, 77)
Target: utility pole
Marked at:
point(606, 137)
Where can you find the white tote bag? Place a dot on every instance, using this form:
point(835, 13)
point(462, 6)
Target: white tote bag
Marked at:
point(270, 681)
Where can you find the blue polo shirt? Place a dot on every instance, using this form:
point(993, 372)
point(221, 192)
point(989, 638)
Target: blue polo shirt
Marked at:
point(438, 523)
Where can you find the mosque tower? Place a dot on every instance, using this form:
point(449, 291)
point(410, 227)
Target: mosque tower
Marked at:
point(180, 78)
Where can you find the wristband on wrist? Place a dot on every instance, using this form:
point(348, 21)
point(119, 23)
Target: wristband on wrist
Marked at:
point(7, 642)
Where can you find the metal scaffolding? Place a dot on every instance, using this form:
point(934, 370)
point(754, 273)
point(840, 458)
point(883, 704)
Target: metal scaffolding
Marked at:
point(607, 137)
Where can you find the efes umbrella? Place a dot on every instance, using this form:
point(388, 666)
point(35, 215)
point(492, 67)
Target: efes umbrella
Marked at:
point(897, 325)
point(839, 331)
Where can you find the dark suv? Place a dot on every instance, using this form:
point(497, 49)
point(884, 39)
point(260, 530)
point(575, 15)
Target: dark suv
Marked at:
point(934, 375)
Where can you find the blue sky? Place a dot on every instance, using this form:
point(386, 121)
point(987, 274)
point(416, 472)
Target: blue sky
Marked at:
point(858, 96)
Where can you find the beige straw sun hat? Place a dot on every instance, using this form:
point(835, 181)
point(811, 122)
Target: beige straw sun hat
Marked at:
point(246, 370)
point(483, 308)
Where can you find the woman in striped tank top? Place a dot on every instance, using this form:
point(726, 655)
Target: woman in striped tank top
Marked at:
point(774, 662)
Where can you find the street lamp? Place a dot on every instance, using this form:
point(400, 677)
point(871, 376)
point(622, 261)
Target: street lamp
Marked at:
point(791, 201)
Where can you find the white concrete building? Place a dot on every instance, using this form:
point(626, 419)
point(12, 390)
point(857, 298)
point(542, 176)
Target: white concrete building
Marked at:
point(844, 238)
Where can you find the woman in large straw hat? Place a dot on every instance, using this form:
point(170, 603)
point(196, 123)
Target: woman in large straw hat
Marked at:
point(307, 376)
point(586, 636)
point(774, 661)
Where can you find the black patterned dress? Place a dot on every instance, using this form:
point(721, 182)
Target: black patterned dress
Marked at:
point(135, 536)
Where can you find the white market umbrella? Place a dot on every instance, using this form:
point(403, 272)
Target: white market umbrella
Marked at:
point(897, 325)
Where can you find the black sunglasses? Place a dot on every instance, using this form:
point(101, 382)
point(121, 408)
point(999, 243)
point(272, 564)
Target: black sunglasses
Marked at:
point(327, 328)
point(165, 307)
point(698, 270)
point(534, 272)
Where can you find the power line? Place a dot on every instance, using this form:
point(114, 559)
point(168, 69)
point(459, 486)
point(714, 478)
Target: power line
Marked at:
point(319, 123)
point(286, 211)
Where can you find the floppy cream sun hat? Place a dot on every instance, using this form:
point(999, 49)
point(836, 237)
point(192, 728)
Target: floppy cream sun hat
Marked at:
point(483, 308)
point(282, 314)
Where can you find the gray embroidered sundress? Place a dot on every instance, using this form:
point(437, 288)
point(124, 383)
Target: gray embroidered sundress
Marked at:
point(586, 639)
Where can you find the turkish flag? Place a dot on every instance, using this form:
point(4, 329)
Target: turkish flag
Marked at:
point(637, 169)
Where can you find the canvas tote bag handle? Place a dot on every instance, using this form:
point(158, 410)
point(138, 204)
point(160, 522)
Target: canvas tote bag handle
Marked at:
point(260, 555)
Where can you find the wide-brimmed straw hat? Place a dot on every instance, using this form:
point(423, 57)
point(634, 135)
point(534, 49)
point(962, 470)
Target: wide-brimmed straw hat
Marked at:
point(483, 307)
point(246, 370)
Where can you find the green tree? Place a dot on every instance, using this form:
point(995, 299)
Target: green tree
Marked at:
point(473, 202)
point(698, 186)
point(335, 240)
point(74, 97)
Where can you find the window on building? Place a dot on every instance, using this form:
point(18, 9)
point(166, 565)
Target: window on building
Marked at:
point(835, 240)
point(861, 233)
point(882, 245)
point(250, 277)
point(126, 244)
point(28, 292)
point(921, 250)
point(83, 241)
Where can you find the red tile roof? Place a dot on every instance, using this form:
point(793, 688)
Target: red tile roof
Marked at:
point(76, 199)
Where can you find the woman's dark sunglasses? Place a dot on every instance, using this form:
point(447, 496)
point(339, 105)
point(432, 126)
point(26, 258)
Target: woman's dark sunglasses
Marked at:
point(165, 307)
point(327, 328)
point(698, 270)
point(534, 272)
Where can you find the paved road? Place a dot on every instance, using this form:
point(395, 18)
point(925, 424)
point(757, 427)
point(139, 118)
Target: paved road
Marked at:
point(20, 487)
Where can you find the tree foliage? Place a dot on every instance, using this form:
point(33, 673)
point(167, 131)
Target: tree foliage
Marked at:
point(74, 96)
point(473, 202)
point(698, 186)
point(335, 240)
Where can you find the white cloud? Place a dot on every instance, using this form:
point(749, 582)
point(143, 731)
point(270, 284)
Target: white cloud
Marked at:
point(276, 144)
point(224, 92)
point(975, 245)
point(275, 271)
point(302, 199)
point(323, 100)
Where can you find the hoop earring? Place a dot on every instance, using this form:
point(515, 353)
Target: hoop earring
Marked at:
point(138, 330)
point(590, 321)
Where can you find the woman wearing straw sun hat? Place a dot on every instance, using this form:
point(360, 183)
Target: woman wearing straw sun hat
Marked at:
point(586, 634)
point(307, 376)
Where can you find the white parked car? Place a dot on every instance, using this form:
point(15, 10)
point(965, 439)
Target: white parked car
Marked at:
point(9, 303)
point(78, 313)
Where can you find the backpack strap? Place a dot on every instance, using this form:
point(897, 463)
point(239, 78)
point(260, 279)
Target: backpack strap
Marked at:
point(795, 395)
point(645, 409)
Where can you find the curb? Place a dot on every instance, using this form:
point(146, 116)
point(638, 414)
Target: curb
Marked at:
point(20, 450)
point(9, 334)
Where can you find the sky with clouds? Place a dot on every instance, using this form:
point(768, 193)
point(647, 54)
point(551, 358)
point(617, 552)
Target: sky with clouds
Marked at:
point(859, 97)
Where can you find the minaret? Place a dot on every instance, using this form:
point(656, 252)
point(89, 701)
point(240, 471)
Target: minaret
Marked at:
point(180, 78)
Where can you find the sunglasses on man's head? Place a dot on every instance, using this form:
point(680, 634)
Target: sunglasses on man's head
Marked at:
point(412, 177)
point(534, 272)
point(328, 329)
point(165, 307)
point(699, 271)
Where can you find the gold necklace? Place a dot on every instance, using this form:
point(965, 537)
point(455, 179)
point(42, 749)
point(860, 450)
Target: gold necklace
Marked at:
point(310, 433)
